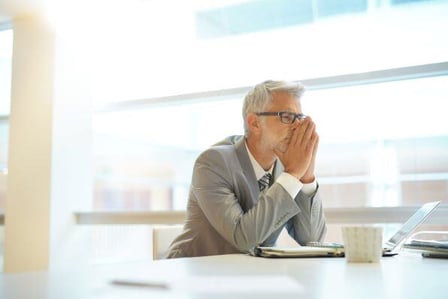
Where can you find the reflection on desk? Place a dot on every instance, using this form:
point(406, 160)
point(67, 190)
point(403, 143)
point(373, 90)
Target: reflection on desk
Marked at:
point(407, 275)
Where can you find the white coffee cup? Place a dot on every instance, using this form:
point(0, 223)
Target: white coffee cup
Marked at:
point(363, 244)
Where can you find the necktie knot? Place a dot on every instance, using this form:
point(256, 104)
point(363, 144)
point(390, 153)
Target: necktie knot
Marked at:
point(264, 181)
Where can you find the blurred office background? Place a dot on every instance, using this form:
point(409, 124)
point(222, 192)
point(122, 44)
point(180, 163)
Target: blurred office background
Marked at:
point(168, 78)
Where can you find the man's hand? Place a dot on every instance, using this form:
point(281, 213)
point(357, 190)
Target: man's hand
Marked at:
point(300, 154)
point(309, 176)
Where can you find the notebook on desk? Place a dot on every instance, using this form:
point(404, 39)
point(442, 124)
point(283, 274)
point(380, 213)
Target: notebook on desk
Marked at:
point(337, 250)
point(301, 251)
point(429, 247)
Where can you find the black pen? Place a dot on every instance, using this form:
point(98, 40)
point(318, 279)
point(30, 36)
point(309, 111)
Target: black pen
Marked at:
point(141, 283)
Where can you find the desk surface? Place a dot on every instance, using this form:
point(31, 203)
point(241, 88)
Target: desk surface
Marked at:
point(407, 275)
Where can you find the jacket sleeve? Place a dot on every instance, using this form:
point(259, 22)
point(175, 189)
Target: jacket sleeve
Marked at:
point(309, 224)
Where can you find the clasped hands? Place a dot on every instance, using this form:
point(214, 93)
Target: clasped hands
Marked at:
point(299, 156)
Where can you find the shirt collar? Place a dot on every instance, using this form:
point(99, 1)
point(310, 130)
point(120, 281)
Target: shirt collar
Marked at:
point(259, 171)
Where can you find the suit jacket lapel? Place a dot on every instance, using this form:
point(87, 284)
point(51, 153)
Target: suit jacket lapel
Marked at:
point(278, 170)
point(243, 157)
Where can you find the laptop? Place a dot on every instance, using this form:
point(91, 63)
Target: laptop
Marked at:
point(317, 249)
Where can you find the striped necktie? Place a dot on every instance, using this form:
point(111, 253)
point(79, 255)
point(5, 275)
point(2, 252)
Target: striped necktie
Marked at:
point(264, 181)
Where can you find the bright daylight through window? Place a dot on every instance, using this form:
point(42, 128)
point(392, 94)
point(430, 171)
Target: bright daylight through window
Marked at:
point(177, 87)
point(167, 83)
point(381, 144)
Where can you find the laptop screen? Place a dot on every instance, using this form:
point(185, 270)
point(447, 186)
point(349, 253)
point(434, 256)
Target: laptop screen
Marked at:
point(407, 228)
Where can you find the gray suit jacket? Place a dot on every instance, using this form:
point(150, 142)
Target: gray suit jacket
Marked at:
point(226, 212)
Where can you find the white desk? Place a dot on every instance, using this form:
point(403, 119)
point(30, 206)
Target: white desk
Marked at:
point(405, 276)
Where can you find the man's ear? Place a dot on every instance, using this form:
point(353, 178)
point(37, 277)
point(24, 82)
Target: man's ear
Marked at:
point(253, 123)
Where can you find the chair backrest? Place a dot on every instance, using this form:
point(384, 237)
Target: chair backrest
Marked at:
point(162, 236)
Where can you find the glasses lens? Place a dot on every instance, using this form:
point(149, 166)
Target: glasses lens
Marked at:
point(287, 117)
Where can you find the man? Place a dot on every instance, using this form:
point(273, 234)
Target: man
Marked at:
point(245, 189)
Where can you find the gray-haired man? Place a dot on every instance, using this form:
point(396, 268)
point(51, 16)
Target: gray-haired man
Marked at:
point(245, 189)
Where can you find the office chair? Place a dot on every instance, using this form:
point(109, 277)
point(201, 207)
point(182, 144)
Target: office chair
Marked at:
point(162, 236)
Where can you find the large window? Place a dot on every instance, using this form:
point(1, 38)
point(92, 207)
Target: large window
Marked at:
point(164, 91)
point(381, 145)
point(173, 94)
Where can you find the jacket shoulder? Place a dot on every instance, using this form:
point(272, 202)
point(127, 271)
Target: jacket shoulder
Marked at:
point(230, 140)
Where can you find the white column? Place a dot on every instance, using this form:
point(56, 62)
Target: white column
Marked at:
point(49, 166)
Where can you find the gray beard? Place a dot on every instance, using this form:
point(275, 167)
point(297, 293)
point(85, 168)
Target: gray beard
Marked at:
point(266, 144)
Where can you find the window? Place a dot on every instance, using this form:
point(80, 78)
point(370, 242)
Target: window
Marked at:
point(390, 143)
point(163, 58)
point(381, 145)
point(144, 157)
point(176, 93)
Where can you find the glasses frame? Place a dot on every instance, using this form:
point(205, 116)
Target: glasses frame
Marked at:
point(280, 114)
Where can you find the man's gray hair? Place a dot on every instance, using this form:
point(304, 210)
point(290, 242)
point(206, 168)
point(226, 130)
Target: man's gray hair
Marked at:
point(260, 96)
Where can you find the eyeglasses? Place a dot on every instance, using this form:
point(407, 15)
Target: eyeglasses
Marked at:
point(286, 117)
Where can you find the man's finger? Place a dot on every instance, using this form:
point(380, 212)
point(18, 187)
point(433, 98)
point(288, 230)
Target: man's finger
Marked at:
point(294, 136)
point(307, 130)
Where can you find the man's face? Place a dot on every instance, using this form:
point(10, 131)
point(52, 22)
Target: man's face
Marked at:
point(276, 134)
